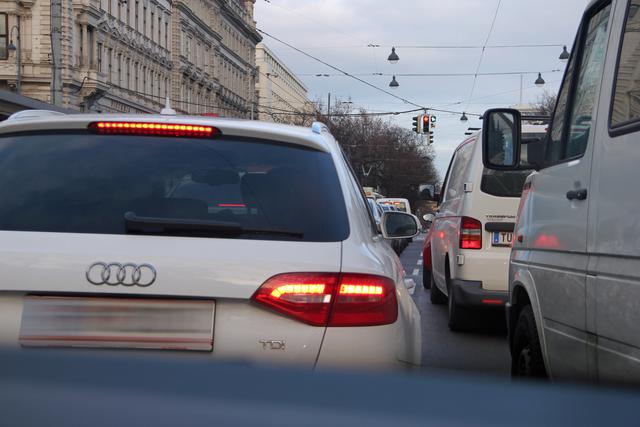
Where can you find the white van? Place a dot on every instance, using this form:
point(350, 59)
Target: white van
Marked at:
point(401, 204)
point(473, 231)
point(574, 276)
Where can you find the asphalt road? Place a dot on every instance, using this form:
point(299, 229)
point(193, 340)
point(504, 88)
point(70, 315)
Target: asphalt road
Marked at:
point(483, 351)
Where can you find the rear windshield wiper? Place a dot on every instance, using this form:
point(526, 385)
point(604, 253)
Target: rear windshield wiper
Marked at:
point(135, 224)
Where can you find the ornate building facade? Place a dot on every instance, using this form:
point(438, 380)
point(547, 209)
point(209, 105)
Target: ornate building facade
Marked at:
point(130, 55)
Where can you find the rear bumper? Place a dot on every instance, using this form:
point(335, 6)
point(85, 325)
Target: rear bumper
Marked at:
point(471, 294)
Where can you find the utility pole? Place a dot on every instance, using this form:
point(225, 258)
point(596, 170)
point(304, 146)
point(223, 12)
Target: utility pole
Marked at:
point(328, 105)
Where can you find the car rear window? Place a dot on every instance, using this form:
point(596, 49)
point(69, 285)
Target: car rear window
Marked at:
point(81, 183)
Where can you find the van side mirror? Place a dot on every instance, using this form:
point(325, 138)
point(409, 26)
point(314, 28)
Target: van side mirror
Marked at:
point(501, 139)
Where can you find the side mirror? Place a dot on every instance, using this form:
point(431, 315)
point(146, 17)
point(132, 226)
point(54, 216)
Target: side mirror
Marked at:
point(428, 218)
point(501, 139)
point(399, 225)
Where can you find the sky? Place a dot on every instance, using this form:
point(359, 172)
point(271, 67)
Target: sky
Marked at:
point(338, 32)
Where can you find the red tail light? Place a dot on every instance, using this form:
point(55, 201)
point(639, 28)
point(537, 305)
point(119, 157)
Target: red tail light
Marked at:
point(331, 299)
point(364, 300)
point(153, 129)
point(470, 233)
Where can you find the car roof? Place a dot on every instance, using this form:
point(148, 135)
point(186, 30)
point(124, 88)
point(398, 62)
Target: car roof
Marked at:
point(316, 136)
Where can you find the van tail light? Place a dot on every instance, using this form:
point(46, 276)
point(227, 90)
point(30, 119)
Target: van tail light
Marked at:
point(331, 299)
point(470, 233)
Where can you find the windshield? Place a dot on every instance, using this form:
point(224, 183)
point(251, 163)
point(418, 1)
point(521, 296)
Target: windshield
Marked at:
point(76, 183)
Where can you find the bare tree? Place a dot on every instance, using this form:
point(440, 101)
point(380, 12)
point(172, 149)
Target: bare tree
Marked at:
point(546, 104)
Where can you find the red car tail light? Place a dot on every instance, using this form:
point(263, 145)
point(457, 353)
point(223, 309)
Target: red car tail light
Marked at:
point(364, 300)
point(331, 299)
point(154, 129)
point(304, 296)
point(470, 233)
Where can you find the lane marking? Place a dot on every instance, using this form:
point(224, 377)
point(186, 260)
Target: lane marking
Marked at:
point(415, 272)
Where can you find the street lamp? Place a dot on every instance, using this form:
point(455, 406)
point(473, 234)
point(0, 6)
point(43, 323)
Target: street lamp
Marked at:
point(394, 83)
point(464, 117)
point(13, 47)
point(540, 81)
point(564, 56)
point(393, 57)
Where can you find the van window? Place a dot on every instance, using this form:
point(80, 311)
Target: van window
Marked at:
point(573, 143)
point(503, 183)
point(456, 177)
point(626, 98)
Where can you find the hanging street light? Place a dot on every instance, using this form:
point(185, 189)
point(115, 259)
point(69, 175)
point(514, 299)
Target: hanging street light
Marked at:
point(464, 117)
point(540, 81)
point(564, 56)
point(393, 57)
point(394, 83)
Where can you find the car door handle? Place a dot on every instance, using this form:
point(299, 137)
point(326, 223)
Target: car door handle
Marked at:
point(580, 194)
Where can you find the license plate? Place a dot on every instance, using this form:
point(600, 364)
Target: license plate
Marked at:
point(96, 322)
point(501, 238)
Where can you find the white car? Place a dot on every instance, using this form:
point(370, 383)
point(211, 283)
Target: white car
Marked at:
point(245, 240)
point(472, 233)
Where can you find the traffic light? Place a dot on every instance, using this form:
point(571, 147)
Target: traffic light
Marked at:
point(432, 121)
point(430, 137)
point(417, 124)
point(425, 123)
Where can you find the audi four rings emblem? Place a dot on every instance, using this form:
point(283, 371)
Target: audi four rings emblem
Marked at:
point(114, 273)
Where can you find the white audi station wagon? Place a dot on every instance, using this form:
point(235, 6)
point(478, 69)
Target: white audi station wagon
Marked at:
point(244, 240)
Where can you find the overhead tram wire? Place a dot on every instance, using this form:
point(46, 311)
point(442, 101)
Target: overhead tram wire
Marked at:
point(484, 47)
point(497, 73)
point(420, 107)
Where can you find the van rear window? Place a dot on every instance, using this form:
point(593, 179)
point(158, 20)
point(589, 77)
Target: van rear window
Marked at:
point(81, 183)
point(503, 183)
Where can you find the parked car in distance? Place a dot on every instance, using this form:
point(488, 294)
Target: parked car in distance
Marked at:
point(185, 228)
point(574, 276)
point(472, 233)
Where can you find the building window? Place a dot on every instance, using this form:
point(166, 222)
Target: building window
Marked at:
point(100, 57)
point(144, 80)
point(166, 87)
point(128, 84)
point(128, 13)
point(153, 20)
point(120, 69)
point(136, 70)
point(159, 29)
point(135, 23)
point(144, 20)
point(91, 41)
point(109, 65)
point(166, 35)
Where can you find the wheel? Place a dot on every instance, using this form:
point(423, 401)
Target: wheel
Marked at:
point(526, 353)
point(459, 317)
point(426, 277)
point(436, 296)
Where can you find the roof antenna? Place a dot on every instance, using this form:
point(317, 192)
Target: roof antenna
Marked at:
point(167, 110)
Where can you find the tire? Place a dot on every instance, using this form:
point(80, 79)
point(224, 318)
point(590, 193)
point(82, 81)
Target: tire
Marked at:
point(436, 296)
point(526, 353)
point(459, 317)
point(426, 277)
